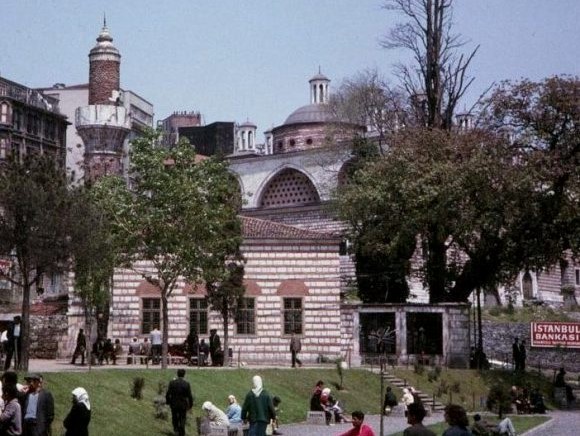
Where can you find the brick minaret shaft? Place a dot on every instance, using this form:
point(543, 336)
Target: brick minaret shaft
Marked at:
point(104, 69)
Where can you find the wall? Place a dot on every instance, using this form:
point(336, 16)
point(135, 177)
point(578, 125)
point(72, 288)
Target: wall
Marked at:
point(498, 339)
point(46, 332)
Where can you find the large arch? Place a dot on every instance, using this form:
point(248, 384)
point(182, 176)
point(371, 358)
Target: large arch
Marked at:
point(288, 187)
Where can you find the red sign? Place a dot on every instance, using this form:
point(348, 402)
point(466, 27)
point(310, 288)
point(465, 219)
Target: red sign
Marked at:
point(555, 334)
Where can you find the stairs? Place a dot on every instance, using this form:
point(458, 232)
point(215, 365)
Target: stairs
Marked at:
point(429, 403)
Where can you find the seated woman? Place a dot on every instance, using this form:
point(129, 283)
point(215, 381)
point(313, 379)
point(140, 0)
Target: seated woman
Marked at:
point(390, 401)
point(214, 415)
point(315, 405)
point(331, 407)
point(234, 411)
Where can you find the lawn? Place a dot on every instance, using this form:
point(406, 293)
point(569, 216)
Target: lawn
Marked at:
point(469, 388)
point(524, 314)
point(521, 424)
point(114, 412)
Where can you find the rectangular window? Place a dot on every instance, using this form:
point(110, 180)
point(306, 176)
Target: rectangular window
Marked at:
point(150, 314)
point(292, 316)
point(246, 318)
point(198, 315)
point(577, 276)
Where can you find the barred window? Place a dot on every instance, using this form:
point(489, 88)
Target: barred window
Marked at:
point(150, 314)
point(292, 316)
point(198, 315)
point(246, 317)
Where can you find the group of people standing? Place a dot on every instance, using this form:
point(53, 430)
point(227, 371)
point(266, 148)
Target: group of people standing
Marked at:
point(11, 343)
point(28, 410)
point(519, 354)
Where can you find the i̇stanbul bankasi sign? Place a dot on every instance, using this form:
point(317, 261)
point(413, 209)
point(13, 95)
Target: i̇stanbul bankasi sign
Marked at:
point(555, 334)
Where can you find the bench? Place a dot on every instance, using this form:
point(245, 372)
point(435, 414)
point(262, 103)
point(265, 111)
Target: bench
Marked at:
point(315, 418)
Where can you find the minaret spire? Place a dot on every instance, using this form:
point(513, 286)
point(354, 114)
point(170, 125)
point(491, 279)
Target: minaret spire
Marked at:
point(104, 19)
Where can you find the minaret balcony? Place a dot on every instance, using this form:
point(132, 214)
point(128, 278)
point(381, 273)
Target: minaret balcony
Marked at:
point(101, 115)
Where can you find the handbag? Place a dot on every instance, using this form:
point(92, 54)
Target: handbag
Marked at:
point(269, 429)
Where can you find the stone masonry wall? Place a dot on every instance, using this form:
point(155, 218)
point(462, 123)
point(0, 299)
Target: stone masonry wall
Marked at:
point(498, 339)
point(46, 332)
point(104, 78)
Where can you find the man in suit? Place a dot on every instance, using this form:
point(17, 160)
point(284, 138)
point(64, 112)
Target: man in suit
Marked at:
point(215, 347)
point(295, 347)
point(80, 348)
point(516, 354)
point(14, 343)
point(38, 412)
point(180, 400)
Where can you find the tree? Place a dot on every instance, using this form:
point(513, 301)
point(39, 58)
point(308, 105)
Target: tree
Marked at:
point(438, 78)
point(94, 254)
point(34, 227)
point(178, 214)
point(225, 297)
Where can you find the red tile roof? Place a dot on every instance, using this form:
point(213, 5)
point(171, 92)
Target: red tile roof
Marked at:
point(255, 228)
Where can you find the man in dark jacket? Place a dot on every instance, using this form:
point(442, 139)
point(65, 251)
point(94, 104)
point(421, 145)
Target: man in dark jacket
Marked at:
point(180, 400)
point(215, 347)
point(38, 412)
point(80, 348)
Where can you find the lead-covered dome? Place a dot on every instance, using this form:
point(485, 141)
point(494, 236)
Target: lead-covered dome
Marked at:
point(311, 113)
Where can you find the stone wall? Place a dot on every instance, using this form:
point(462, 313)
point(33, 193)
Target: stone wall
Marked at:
point(498, 339)
point(46, 332)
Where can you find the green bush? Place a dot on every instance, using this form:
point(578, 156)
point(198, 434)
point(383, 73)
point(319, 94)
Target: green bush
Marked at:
point(137, 388)
point(419, 368)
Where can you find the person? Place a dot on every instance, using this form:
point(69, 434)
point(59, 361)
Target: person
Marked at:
point(80, 348)
point(522, 355)
point(133, 352)
point(117, 351)
point(145, 351)
point(407, 399)
point(390, 401)
point(358, 426)
point(77, 421)
point(516, 354)
point(415, 394)
point(415, 415)
point(258, 408)
point(214, 346)
point(537, 404)
point(203, 352)
point(315, 405)
point(481, 427)
point(456, 417)
point(11, 417)
point(180, 399)
point(10, 378)
point(330, 407)
point(192, 345)
point(234, 410)
point(295, 348)
point(99, 351)
point(156, 341)
point(215, 415)
point(14, 343)
point(560, 382)
point(38, 411)
point(108, 351)
point(275, 422)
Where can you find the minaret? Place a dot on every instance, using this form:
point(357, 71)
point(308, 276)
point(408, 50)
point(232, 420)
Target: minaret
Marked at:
point(319, 88)
point(104, 123)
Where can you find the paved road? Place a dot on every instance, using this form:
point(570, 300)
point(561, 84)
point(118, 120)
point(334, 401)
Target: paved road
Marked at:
point(563, 423)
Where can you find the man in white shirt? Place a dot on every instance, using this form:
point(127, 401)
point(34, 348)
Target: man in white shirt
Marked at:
point(156, 342)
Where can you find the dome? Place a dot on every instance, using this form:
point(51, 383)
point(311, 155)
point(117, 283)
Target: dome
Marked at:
point(311, 113)
point(319, 76)
point(248, 124)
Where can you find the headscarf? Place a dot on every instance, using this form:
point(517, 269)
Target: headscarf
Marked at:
point(258, 386)
point(207, 405)
point(82, 396)
point(326, 391)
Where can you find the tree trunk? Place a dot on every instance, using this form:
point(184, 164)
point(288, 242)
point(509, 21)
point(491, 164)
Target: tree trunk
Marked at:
point(165, 322)
point(24, 326)
point(436, 267)
point(225, 313)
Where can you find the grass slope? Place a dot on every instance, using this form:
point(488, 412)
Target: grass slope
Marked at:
point(114, 412)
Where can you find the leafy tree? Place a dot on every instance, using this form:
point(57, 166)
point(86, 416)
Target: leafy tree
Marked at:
point(34, 227)
point(178, 214)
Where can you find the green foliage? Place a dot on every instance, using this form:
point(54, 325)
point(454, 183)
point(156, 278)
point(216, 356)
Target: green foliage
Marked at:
point(498, 400)
point(159, 404)
point(419, 368)
point(434, 374)
point(179, 213)
point(340, 367)
point(137, 388)
point(35, 225)
point(524, 314)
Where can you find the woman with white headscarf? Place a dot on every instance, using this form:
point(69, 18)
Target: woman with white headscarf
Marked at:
point(258, 408)
point(407, 399)
point(77, 420)
point(215, 415)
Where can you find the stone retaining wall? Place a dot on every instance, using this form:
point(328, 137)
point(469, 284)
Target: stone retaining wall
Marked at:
point(498, 339)
point(45, 334)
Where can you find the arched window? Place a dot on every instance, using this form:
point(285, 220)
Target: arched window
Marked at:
point(527, 286)
point(321, 93)
point(289, 188)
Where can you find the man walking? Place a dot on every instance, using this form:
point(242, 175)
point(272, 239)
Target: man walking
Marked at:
point(80, 348)
point(214, 347)
point(295, 347)
point(38, 412)
point(522, 355)
point(180, 400)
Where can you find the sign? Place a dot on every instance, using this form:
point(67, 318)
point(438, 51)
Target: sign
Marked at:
point(555, 334)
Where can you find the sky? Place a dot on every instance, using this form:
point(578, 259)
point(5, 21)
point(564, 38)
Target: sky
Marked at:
point(238, 60)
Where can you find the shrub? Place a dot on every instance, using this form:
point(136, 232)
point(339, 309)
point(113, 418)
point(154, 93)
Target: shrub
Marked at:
point(434, 374)
point(419, 368)
point(137, 388)
point(159, 405)
point(498, 400)
point(340, 367)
